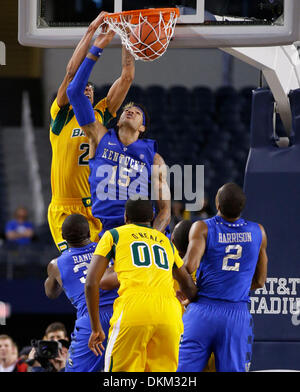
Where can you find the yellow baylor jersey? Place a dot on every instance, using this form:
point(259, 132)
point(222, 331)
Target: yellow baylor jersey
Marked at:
point(70, 151)
point(144, 258)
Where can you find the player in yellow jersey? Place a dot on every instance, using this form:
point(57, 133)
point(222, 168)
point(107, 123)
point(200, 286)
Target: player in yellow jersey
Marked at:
point(146, 325)
point(70, 147)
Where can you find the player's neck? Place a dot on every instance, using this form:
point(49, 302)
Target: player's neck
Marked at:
point(147, 224)
point(128, 135)
point(80, 244)
point(228, 219)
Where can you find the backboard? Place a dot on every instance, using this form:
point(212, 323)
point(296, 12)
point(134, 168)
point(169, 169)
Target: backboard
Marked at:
point(202, 24)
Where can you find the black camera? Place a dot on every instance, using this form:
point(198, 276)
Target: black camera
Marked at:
point(45, 350)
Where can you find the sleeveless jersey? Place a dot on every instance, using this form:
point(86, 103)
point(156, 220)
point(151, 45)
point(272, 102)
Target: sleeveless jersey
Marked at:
point(143, 259)
point(228, 264)
point(70, 151)
point(73, 265)
point(117, 172)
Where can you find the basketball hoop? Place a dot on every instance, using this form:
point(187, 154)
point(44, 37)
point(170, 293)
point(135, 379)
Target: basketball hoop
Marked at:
point(145, 33)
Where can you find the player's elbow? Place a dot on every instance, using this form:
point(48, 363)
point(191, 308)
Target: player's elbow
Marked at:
point(71, 91)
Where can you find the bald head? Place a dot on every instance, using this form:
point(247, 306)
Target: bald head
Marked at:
point(230, 200)
point(75, 229)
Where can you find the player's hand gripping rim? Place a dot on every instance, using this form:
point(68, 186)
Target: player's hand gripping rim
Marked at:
point(95, 342)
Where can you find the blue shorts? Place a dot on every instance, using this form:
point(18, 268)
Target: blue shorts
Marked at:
point(80, 357)
point(221, 327)
point(108, 224)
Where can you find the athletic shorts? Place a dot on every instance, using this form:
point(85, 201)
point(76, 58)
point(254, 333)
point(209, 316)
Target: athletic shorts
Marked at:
point(219, 327)
point(144, 334)
point(80, 357)
point(58, 211)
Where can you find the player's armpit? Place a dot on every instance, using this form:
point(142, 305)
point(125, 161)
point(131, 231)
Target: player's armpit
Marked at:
point(162, 193)
point(53, 286)
point(186, 283)
point(197, 245)
point(260, 274)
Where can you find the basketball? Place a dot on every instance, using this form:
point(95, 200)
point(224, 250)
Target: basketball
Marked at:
point(149, 41)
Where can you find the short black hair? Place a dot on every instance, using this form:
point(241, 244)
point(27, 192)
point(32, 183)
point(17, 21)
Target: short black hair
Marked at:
point(181, 236)
point(232, 200)
point(75, 228)
point(139, 210)
point(91, 84)
point(146, 114)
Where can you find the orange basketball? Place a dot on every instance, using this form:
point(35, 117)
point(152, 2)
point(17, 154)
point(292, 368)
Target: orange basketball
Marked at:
point(148, 41)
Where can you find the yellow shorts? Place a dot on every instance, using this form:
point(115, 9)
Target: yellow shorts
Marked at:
point(144, 334)
point(58, 211)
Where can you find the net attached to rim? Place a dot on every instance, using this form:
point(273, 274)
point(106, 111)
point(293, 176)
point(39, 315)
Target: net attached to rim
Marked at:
point(131, 25)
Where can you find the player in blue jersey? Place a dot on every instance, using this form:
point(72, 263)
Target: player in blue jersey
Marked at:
point(229, 254)
point(122, 162)
point(67, 273)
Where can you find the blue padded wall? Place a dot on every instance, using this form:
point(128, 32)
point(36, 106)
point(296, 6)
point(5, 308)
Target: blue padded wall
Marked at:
point(272, 186)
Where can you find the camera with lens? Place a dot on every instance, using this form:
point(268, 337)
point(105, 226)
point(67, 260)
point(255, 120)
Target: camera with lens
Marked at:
point(45, 350)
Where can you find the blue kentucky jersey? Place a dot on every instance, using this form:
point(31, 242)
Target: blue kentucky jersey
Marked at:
point(229, 261)
point(73, 265)
point(118, 172)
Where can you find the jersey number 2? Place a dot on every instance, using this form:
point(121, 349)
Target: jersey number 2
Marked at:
point(86, 150)
point(232, 256)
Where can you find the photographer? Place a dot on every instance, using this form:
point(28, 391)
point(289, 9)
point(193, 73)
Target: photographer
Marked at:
point(50, 354)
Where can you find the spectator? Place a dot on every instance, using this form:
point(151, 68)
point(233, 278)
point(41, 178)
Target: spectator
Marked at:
point(9, 361)
point(19, 231)
point(55, 331)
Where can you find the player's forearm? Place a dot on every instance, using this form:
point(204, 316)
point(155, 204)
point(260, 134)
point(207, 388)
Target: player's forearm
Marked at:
point(162, 219)
point(92, 301)
point(80, 52)
point(52, 289)
point(128, 65)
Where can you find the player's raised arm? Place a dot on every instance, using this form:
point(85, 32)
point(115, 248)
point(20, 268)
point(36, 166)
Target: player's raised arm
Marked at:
point(162, 193)
point(53, 284)
point(260, 274)
point(82, 105)
point(77, 58)
point(119, 89)
point(197, 245)
point(96, 270)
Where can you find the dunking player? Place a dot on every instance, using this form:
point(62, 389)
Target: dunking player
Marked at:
point(146, 324)
point(120, 160)
point(233, 258)
point(70, 146)
point(68, 273)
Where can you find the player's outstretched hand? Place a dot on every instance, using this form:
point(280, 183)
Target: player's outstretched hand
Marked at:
point(98, 21)
point(95, 342)
point(104, 38)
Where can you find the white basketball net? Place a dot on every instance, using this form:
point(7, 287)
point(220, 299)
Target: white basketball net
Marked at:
point(139, 49)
